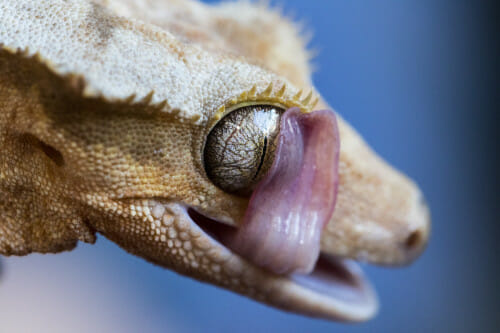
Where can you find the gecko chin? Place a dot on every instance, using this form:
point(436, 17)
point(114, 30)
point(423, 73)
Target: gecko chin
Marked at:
point(335, 288)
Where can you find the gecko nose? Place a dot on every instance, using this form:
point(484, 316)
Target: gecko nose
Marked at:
point(418, 236)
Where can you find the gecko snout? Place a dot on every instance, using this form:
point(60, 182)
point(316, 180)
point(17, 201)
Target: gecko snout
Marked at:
point(381, 216)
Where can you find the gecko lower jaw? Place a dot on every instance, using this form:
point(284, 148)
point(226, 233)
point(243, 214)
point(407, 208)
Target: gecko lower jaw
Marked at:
point(335, 289)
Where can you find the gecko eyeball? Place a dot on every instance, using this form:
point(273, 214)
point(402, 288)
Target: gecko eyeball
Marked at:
point(240, 148)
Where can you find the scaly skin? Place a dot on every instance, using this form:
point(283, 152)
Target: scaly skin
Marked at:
point(104, 110)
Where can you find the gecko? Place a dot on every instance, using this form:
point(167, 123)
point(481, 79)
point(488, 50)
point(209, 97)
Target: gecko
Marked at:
point(192, 136)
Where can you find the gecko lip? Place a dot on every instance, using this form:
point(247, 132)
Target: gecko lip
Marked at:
point(336, 288)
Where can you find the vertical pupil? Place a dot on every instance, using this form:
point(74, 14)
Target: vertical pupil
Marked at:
point(262, 158)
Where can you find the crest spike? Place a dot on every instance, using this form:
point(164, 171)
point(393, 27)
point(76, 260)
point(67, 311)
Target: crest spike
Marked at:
point(37, 56)
point(281, 92)
point(147, 99)
point(130, 99)
point(268, 90)
point(252, 91)
point(314, 102)
point(297, 95)
point(308, 98)
point(162, 105)
point(244, 96)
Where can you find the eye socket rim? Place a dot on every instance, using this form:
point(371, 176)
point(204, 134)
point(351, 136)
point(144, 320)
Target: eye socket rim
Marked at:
point(282, 108)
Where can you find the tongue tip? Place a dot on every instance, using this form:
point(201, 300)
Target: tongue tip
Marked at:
point(280, 253)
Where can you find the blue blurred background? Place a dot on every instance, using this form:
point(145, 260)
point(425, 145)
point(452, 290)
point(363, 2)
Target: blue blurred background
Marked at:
point(418, 79)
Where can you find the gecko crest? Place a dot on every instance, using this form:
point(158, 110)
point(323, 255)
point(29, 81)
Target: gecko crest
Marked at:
point(273, 94)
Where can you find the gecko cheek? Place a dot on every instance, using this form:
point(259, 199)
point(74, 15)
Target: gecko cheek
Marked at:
point(289, 208)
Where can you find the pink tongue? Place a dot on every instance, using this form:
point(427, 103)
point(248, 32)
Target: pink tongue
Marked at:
point(282, 226)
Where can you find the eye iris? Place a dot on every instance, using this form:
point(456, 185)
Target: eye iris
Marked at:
point(240, 148)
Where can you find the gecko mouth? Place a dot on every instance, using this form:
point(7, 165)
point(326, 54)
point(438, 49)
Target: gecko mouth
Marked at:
point(287, 212)
point(335, 288)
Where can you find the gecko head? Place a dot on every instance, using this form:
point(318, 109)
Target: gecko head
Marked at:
point(263, 194)
point(207, 164)
point(266, 197)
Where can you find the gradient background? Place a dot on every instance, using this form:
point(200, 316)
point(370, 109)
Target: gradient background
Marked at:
point(418, 79)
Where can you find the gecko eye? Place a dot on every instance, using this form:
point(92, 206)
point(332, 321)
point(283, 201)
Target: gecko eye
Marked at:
point(240, 148)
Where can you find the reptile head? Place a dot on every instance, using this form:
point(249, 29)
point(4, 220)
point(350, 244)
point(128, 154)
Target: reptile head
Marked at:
point(213, 164)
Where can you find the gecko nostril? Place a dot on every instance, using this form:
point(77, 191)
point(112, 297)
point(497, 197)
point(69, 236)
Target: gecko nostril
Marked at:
point(414, 240)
